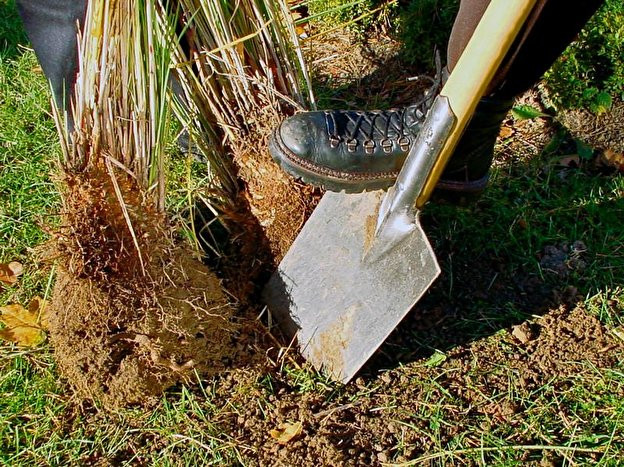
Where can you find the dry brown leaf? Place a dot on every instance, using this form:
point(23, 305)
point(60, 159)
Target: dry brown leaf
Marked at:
point(10, 271)
point(24, 327)
point(570, 160)
point(614, 159)
point(39, 307)
point(506, 132)
point(286, 432)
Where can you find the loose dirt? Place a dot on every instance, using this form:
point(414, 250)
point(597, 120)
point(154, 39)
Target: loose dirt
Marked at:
point(605, 131)
point(365, 424)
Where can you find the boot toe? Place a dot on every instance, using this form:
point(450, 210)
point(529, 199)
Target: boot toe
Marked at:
point(298, 135)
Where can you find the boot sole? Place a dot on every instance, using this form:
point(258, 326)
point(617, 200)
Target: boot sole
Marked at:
point(331, 180)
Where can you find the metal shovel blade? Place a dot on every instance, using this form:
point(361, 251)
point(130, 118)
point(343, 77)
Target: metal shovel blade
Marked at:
point(339, 302)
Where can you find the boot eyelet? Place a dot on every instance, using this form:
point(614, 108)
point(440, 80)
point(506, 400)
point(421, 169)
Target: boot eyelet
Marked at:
point(404, 142)
point(369, 146)
point(351, 145)
point(386, 145)
point(334, 141)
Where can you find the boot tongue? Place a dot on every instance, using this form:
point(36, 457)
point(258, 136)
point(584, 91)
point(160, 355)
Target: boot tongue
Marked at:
point(414, 117)
point(415, 114)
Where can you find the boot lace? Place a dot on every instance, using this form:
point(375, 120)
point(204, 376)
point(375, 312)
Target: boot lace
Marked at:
point(383, 125)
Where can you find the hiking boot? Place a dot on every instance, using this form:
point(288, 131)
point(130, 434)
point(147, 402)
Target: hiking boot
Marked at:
point(359, 151)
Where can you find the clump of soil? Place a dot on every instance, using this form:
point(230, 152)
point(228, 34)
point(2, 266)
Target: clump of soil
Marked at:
point(280, 203)
point(131, 313)
point(563, 259)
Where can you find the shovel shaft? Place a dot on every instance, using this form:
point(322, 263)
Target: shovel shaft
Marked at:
point(451, 112)
point(474, 71)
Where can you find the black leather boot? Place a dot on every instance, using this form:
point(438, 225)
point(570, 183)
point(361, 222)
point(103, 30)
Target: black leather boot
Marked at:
point(358, 151)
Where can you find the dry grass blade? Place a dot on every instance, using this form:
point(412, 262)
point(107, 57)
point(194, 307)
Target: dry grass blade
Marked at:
point(237, 58)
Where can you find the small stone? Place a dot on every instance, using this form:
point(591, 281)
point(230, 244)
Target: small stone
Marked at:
point(382, 457)
point(522, 332)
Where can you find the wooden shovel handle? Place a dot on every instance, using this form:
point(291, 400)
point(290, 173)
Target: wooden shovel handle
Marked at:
point(490, 42)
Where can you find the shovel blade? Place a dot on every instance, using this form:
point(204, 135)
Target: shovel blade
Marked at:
point(340, 305)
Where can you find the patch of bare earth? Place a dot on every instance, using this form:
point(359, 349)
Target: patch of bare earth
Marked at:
point(387, 419)
point(604, 131)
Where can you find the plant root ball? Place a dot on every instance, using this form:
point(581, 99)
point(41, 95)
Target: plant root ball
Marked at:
point(122, 343)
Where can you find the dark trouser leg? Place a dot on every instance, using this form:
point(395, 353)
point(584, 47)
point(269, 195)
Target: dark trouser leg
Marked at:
point(51, 26)
point(551, 26)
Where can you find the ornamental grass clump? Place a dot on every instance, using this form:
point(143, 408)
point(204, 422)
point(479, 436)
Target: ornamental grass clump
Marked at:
point(241, 70)
point(133, 310)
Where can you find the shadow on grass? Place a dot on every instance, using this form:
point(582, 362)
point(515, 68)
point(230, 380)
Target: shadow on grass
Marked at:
point(511, 256)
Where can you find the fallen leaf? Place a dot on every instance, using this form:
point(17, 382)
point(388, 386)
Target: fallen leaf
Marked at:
point(506, 132)
point(24, 327)
point(613, 159)
point(286, 432)
point(436, 359)
point(571, 160)
point(527, 112)
point(39, 307)
point(10, 271)
point(520, 333)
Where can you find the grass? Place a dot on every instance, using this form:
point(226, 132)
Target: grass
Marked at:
point(28, 148)
point(531, 204)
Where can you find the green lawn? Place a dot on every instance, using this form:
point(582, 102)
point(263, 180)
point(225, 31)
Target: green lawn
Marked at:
point(449, 383)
